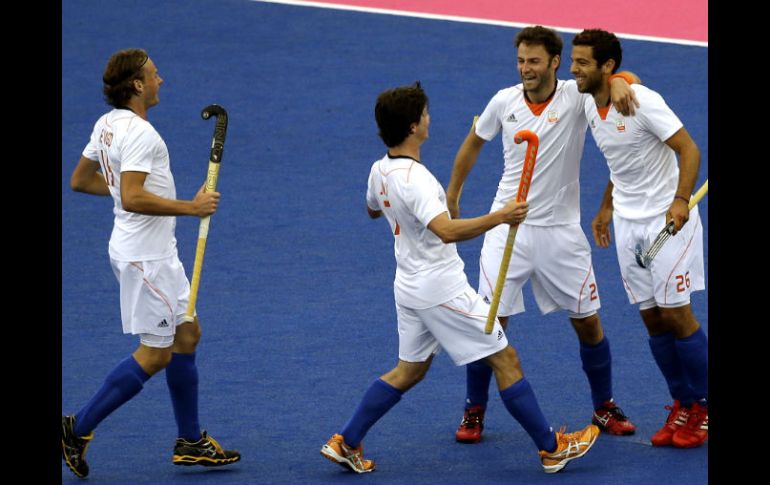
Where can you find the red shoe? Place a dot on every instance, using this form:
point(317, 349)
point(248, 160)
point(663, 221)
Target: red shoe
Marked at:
point(610, 419)
point(676, 419)
point(471, 426)
point(696, 431)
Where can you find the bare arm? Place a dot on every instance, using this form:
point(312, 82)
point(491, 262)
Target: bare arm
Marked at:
point(622, 96)
point(464, 162)
point(136, 199)
point(601, 223)
point(87, 178)
point(454, 230)
point(689, 164)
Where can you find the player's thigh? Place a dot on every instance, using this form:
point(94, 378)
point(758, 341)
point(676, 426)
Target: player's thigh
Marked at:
point(677, 270)
point(147, 301)
point(458, 325)
point(519, 269)
point(564, 277)
point(630, 235)
point(415, 342)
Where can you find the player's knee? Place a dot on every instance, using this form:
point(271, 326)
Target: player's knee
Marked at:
point(187, 337)
point(507, 358)
point(680, 320)
point(588, 327)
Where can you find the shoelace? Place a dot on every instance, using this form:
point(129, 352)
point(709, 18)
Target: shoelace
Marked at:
point(215, 443)
point(354, 454)
point(617, 413)
point(471, 420)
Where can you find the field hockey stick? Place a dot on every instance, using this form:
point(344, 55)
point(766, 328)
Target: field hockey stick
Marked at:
point(533, 142)
point(217, 145)
point(644, 259)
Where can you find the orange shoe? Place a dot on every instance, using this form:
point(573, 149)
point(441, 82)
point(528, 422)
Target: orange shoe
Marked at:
point(471, 426)
point(338, 451)
point(610, 419)
point(696, 431)
point(676, 419)
point(568, 447)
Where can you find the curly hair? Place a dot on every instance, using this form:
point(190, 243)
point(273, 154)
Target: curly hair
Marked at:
point(605, 46)
point(539, 35)
point(396, 110)
point(122, 69)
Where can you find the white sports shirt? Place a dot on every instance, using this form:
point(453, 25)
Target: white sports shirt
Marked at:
point(121, 142)
point(643, 169)
point(428, 272)
point(554, 195)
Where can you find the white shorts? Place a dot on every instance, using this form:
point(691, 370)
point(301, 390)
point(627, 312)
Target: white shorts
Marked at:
point(153, 295)
point(457, 326)
point(675, 272)
point(556, 258)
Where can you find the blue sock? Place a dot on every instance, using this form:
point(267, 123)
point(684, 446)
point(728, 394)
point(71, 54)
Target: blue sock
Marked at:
point(478, 375)
point(694, 354)
point(521, 402)
point(182, 380)
point(597, 364)
point(666, 355)
point(377, 401)
point(124, 382)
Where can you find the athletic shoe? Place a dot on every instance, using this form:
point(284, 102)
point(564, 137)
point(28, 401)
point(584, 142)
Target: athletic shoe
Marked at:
point(73, 447)
point(696, 431)
point(610, 419)
point(677, 417)
point(338, 451)
point(206, 452)
point(568, 447)
point(471, 426)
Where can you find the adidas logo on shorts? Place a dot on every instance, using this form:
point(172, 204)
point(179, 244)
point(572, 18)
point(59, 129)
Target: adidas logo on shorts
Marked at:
point(499, 335)
point(163, 324)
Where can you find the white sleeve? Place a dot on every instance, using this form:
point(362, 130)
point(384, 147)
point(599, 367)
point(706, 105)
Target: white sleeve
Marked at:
point(655, 115)
point(138, 149)
point(371, 192)
point(91, 151)
point(490, 121)
point(422, 196)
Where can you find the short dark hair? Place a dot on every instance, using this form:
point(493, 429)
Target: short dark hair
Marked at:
point(397, 109)
point(122, 69)
point(605, 46)
point(540, 35)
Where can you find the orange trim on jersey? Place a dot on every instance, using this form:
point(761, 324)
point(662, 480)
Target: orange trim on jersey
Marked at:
point(397, 231)
point(603, 111)
point(537, 108)
point(625, 283)
point(385, 174)
point(409, 172)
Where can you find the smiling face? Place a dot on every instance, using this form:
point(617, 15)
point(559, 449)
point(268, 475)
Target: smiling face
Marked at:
point(537, 69)
point(589, 76)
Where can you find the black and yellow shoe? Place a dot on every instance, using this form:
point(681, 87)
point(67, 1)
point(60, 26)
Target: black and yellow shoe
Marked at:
point(73, 448)
point(206, 452)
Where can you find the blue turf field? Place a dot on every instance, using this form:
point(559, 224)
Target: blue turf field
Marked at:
point(296, 299)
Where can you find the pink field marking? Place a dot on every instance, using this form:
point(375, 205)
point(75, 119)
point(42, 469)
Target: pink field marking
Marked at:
point(672, 19)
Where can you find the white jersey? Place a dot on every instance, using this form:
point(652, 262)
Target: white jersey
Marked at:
point(554, 196)
point(428, 272)
point(643, 169)
point(121, 142)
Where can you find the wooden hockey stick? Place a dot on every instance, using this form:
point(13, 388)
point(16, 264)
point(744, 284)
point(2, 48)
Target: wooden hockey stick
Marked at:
point(217, 145)
point(533, 142)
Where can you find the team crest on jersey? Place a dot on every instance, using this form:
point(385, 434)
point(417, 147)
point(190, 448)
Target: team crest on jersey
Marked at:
point(511, 118)
point(553, 116)
point(620, 125)
point(593, 124)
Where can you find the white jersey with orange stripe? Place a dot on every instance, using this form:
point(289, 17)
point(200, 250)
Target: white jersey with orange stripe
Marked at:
point(643, 169)
point(428, 272)
point(560, 124)
point(121, 141)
